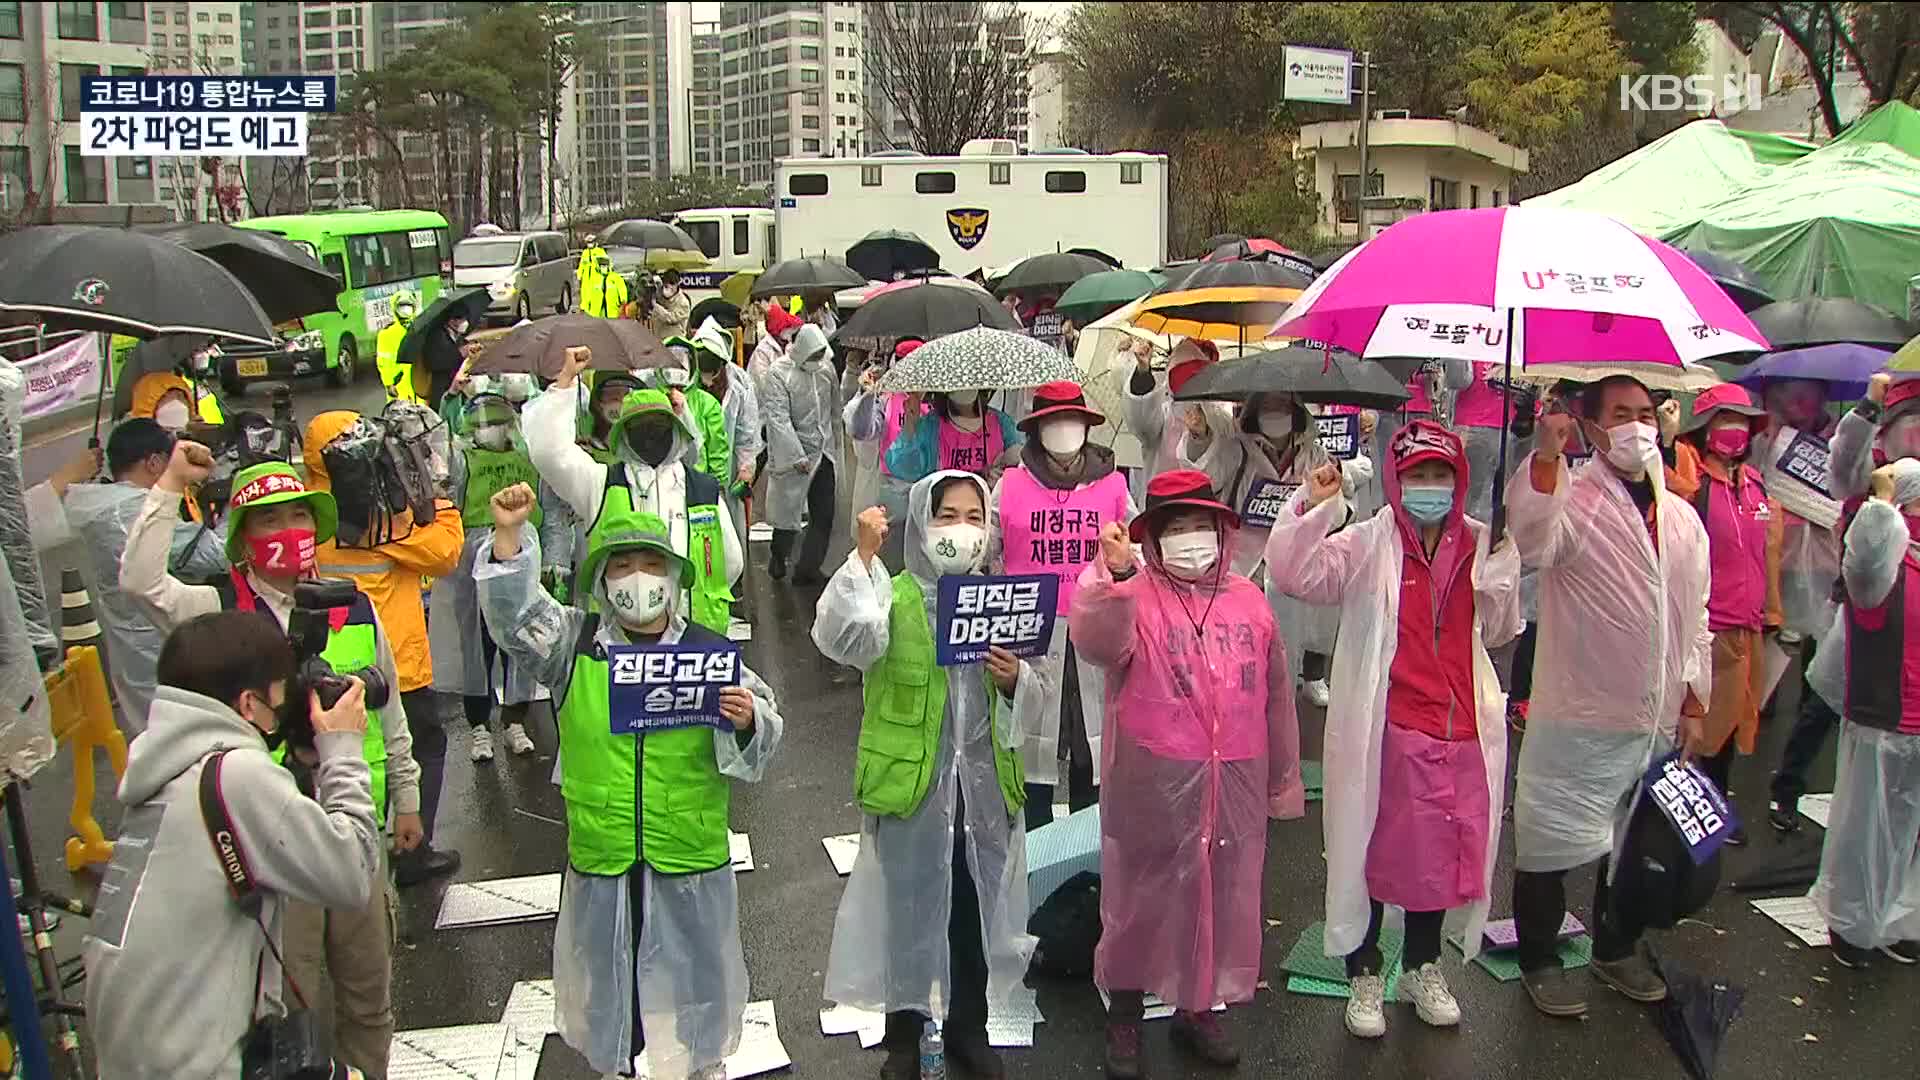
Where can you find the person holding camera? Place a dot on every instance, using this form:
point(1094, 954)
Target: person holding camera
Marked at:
point(274, 527)
point(183, 962)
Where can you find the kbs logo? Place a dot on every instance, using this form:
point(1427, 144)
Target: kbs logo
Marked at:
point(967, 226)
point(1693, 93)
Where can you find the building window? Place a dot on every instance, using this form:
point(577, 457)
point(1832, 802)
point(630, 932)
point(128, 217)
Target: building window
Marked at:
point(76, 22)
point(9, 20)
point(226, 39)
point(136, 12)
point(319, 17)
point(1129, 172)
point(805, 183)
point(809, 52)
point(809, 146)
point(1443, 194)
point(70, 96)
point(1345, 184)
point(1066, 182)
point(810, 122)
point(86, 176)
point(320, 63)
point(811, 75)
point(13, 93)
point(933, 183)
point(343, 37)
point(1496, 197)
point(1473, 196)
point(320, 41)
point(810, 99)
point(182, 41)
point(133, 168)
point(999, 172)
point(16, 176)
point(783, 147)
point(869, 176)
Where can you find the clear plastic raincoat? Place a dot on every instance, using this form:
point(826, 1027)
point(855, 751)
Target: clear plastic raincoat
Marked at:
point(685, 980)
point(1623, 636)
point(801, 406)
point(1810, 548)
point(1158, 422)
point(890, 948)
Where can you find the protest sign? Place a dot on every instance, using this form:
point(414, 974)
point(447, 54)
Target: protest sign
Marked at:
point(1805, 461)
point(660, 687)
point(975, 612)
point(1697, 809)
point(1339, 434)
point(62, 376)
point(1265, 500)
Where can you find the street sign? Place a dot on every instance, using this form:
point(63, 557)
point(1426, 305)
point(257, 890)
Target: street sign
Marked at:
point(1318, 75)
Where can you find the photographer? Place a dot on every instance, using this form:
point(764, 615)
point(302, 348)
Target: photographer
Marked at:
point(178, 972)
point(274, 526)
point(668, 307)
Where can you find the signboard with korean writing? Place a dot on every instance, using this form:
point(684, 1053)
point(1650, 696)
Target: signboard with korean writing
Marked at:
point(1805, 462)
point(1340, 435)
point(200, 115)
point(1048, 326)
point(973, 613)
point(1698, 811)
point(1322, 75)
point(660, 687)
point(1265, 500)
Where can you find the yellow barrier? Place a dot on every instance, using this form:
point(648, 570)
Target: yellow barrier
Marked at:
point(83, 717)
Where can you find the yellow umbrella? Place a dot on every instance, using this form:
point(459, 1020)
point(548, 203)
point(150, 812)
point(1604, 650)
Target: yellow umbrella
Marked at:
point(1907, 359)
point(1222, 313)
point(734, 290)
point(674, 259)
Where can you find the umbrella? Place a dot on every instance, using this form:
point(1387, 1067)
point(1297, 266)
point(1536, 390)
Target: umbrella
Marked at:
point(1245, 248)
point(1695, 1017)
point(89, 277)
point(925, 310)
point(1830, 320)
point(541, 346)
point(737, 289)
point(173, 353)
point(673, 259)
point(467, 303)
point(1096, 253)
point(982, 358)
point(648, 233)
point(791, 276)
point(1907, 358)
point(1740, 283)
point(1231, 301)
point(1846, 367)
point(1048, 273)
point(883, 252)
point(717, 309)
point(1685, 379)
point(279, 273)
point(1220, 240)
point(1313, 375)
point(1097, 294)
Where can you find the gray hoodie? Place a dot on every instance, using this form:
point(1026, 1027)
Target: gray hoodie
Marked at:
point(176, 972)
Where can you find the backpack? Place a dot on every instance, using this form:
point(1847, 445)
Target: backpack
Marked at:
point(1067, 925)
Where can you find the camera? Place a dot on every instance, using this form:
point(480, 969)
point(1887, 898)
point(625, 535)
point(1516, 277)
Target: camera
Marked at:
point(308, 626)
point(292, 1047)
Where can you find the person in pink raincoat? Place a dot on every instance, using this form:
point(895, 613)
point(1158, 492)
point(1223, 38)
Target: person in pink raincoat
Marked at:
point(1416, 738)
point(1202, 747)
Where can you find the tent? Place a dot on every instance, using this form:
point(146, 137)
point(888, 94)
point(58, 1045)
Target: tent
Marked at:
point(1666, 183)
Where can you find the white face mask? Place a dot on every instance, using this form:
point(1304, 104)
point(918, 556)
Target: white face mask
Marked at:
point(1633, 447)
point(1063, 438)
point(1276, 425)
point(638, 598)
point(955, 549)
point(964, 398)
point(171, 415)
point(492, 436)
point(1190, 554)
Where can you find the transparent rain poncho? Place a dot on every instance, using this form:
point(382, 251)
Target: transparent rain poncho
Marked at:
point(801, 408)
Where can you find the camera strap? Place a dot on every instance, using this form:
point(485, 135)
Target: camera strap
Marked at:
point(227, 851)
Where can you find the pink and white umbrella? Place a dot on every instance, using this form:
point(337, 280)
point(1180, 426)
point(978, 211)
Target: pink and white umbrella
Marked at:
point(1521, 285)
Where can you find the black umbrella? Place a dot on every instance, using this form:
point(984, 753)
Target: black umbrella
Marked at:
point(926, 311)
point(279, 273)
point(173, 353)
point(1829, 320)
point(790, 276)
point(467, 303)
point(884, 252)
point(1178, 269)
point(717, 309)
point(90, 277)
point(1048, 273)
point(1741, 285)
point(1312, 375)
point(1096, 253)
point(541, 346)
point(1695, 1017)
point(648, 233)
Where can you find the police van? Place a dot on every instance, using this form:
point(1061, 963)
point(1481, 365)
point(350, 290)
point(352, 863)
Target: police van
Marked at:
point(733, 238)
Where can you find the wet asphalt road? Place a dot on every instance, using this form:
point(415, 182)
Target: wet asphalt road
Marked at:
point(1805, 1017)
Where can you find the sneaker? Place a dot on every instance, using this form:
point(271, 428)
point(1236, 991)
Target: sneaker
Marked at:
point(1317, 693)
point(1123, 1052)
point(1431, 999)
point(1634, 976)
point(1900, 952)
point(1784, 816)
point(1366, 1008)
point(1203, 1037)
point(517, 740)
point(1554, 992)
point(1849, 955)
point(974, 1054)
point(423, 864)
point(480, 744)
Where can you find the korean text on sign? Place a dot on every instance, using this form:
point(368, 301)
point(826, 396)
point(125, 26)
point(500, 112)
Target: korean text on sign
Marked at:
point(193, 134)
point(1265, 500)
point(1340, 435)
point(207, 93)
point(1806, 460)
point(1013, 611)
point(1697, 810)
point(660, 687)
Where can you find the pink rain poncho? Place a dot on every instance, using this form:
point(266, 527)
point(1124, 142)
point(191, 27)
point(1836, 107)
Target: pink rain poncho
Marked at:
point(1202, 747)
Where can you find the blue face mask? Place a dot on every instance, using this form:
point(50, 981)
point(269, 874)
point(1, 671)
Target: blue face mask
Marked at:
point(1427, 505)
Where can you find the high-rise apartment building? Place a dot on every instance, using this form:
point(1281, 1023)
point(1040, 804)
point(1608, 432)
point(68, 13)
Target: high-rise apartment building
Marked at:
point(791, 84)
point(195, 37)
point(622, 98)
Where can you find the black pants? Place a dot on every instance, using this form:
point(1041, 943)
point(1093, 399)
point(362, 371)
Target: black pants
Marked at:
point(967, 958)
point(429, 751)
point(1814, 725)
point(1540, 906)
point(820, 506)
point(1521, 681)
point(1423, 943)
point(479, 707)
point(1313, 665)
point(1076, 752)
point(1719, 767)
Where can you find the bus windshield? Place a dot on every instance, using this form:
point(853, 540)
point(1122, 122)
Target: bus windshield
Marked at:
point(486, 252)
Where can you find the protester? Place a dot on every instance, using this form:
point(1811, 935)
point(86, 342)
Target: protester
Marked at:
point(646, 814)
point(604, 292)
point(939, 787)
point(1045, 517)
point(1883, 428)
point(816, 307)
point(398, 378)
point(1624, 566)
point(274, 525)
point(781, 325)
point(803, 448)
point(874, 422)
point(1743, 547)
point(671, 307)
point(178, 972)
point(1173, 435)
point(1869, 885)
point(1199, 755)
point(445, 356)
point(957, 430)
point(607, 391)
point(1416, 744)
point(709, 417)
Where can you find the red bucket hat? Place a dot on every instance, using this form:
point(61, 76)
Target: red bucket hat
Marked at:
point(905, 347)
point(1063, 397)
point(1176, 490)
point(1726, 397)
point(1189, 358)
point(781, 322)
point(1903, 392)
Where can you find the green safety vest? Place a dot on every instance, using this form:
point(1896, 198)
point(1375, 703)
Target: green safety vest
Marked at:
point(490, 472)
point(906, 706)
point(716, 453)
point(706, 542)
point(657, 798)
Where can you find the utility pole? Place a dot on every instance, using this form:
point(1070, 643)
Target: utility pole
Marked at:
point(1366, 118)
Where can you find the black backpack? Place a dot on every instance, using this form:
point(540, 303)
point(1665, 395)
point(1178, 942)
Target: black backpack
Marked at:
point(1657, 882)
point(1067, 925)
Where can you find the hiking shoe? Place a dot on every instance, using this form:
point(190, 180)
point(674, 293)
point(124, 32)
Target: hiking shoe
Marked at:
point(1431, 999)
point(1849, 955)
point(974, 1054)
point(1902, 952)
point(1123, 1052)
point(517, 740)
point(1201, 1035)
point(480, 744)
point(1554, 992)
point(1366, 1007)
point(1633, 976)
point(1317, 693)
point(1784, 817)
point(410, 868)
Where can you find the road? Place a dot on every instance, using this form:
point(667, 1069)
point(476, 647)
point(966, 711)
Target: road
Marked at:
point(1805, 1018)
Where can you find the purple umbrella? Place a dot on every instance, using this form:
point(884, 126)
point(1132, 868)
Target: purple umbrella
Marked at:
point(1846, 366)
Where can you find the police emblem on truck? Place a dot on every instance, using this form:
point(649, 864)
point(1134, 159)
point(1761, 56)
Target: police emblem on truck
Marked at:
point(968, 226)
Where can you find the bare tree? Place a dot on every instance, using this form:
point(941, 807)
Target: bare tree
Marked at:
point(27, 197)
point(949, 71)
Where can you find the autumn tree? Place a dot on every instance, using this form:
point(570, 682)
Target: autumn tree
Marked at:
point(949, 71)
point(1879, 41)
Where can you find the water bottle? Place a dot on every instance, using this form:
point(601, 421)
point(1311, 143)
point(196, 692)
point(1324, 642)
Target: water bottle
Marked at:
point(933, 1053)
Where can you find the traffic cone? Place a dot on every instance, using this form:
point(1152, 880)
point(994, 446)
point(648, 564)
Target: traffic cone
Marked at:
point(77, 624)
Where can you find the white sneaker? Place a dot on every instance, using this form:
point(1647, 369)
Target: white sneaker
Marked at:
point(480, 744)
point(517, 740)
point(1427, 987)
point(1317, 693)
point(1366, 1009)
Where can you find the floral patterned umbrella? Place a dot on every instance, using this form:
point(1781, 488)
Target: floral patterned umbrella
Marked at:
point(979, 359)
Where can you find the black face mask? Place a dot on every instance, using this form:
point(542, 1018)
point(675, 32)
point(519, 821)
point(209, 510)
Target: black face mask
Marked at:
point(653, 443)
point(709, 364)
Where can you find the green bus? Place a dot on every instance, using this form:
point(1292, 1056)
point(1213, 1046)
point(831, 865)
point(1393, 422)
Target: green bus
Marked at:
point(378, 254)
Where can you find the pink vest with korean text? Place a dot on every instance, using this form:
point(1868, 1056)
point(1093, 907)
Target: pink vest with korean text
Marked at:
point(971, 451)
point(1057, 532)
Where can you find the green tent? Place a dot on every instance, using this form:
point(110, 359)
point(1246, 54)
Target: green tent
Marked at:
point(1896, 123)
point(1666, 183)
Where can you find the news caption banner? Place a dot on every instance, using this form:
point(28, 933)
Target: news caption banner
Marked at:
point(653, 688)
point(200, 115)
point(973, 613)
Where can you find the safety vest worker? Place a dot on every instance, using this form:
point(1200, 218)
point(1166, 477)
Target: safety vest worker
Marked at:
point(395, 376)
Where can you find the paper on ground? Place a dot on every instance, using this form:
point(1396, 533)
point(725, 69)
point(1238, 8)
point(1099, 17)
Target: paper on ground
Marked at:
point(1817, 808)
point(1011, 1025)
point(469, 1052)
point(843, 850)
point(530, 1008)
point(846, 1020)
point(760, 1048)
point(1799, 916)
point(740, 850)
point(739, 630)
point(1152, 1008)
point(502, 900)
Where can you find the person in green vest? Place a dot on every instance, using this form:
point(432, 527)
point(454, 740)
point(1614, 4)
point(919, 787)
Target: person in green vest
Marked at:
point(646, 813)
point(395, 376)
point(940, 787)
point(709, 417)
